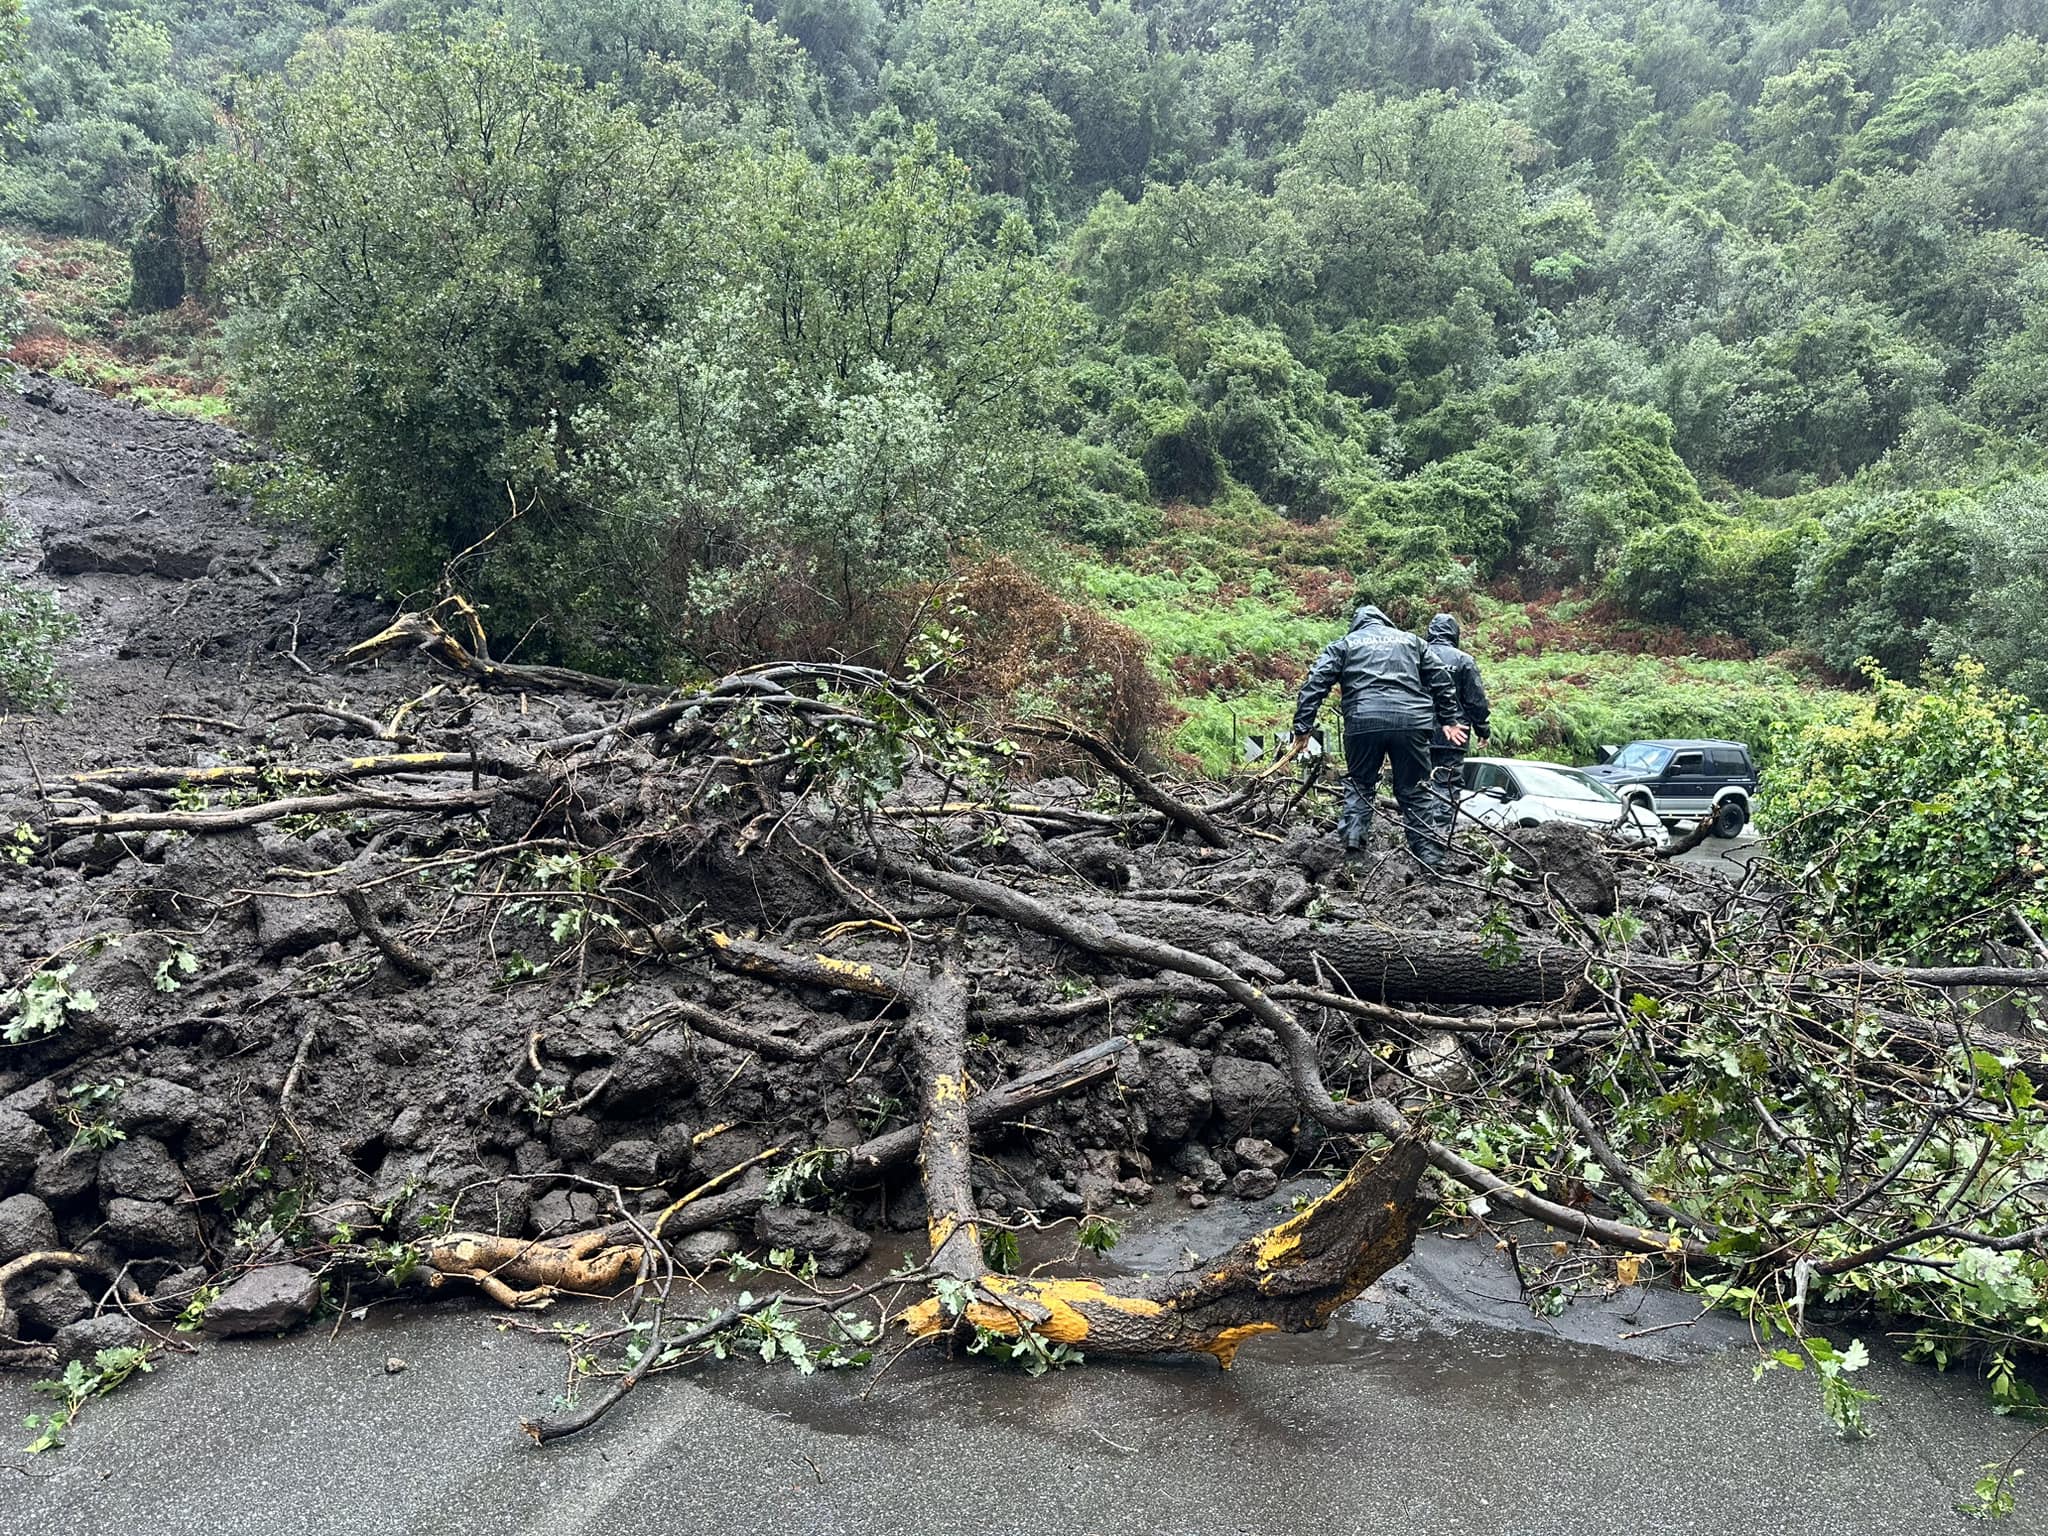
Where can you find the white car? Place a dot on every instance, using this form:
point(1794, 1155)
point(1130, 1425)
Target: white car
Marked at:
point(1502, 792)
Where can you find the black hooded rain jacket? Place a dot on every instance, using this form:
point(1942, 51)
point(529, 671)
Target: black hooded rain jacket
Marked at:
point(1388, 678)
point(1442, 641)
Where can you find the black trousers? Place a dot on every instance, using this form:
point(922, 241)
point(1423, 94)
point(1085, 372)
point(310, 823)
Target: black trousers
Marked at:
point(1406, 753)
point(1446, 777)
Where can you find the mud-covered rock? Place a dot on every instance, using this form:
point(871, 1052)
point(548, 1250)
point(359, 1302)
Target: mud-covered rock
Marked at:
point(564, 1210)
point(575, 1138)
point(1256, 1152)
point(1574, 861)
point(94, 852)
point(836, 1246)
point(651, 1075)
point(409, 1127)
point(171, 1294)
point(634, 1162)
point(1252, 1099)
point(678, 1144)
point(84, 1339)
point(58, 1301)
point(287, 926)
point(26, 1226)
point(192, 882)
point(700, 1248)
point(23, 1143)
point(150, 1227)
point(122, 550)
point(1194, 1161)
point(65, 1174)
point(266, 1300)
point(155, 1106)
point(1254, 1183)
point(1174, 1093)
point(142, 1168)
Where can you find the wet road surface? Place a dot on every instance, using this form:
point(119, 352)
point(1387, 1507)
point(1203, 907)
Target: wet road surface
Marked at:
point(1437, 1405)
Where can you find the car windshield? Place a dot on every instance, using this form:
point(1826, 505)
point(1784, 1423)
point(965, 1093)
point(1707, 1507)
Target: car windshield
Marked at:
point(1562, 784)
point(1640, 757)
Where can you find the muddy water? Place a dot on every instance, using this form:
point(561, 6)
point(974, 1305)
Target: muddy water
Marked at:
point(1437, 1404)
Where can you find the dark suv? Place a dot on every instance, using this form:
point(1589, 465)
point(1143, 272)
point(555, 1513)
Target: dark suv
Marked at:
point(1683, 780)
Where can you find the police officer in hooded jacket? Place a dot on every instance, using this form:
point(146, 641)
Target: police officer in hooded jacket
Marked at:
point(1395, 697)
point(1447, 757)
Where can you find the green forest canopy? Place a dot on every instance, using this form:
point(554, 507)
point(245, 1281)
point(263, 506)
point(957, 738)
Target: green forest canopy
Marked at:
point(1731, 316)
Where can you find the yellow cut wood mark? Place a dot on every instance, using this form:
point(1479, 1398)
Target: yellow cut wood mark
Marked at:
point(924, 1319)
point(1226, 1344)
point(940, 1229)
point(854, 970)
point(1065, 1303)
point(947, 1089)
point(1279, 1245)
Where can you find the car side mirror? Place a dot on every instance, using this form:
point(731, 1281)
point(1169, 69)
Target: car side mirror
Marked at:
point(1605, 755)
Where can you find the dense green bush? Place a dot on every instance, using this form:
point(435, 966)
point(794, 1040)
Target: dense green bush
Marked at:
point(664, 398)
point(32, 625)
point(1924, 817)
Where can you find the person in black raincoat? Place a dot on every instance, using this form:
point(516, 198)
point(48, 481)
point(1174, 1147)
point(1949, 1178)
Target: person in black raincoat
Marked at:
point(1394, 697)
point(1447, 757)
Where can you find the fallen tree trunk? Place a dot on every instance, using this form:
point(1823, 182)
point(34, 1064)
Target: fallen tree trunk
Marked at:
point(1290, 1279)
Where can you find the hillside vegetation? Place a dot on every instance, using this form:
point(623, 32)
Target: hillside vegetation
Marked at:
point(1634, 332)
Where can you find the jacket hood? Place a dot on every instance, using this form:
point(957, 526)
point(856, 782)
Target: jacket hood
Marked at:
point(1369, 615)
point(1444, 627)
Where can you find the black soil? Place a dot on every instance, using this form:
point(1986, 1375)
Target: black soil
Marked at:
point(413, 1106)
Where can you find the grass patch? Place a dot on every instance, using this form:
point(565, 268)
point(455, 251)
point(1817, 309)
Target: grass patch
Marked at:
point(67, 315)
point(1233, 652)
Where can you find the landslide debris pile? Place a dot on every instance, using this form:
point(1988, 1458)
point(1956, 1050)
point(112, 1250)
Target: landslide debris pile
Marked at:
point(389, 962)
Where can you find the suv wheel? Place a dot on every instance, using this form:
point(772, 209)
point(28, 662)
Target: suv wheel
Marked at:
point(1731, 818)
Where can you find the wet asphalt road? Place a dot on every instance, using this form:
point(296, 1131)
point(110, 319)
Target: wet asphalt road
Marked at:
point(1415, 1415)
point(1730, 855)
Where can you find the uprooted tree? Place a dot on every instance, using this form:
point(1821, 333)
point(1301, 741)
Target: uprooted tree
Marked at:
point(818, 868)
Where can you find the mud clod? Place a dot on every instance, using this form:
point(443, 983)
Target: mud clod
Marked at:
point(26, 1226)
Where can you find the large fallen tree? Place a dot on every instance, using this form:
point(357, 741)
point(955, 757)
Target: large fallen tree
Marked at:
point(820, 865)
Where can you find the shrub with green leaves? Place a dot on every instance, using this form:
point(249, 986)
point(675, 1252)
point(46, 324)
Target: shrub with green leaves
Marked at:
point(1922, 820)
point(32, 625)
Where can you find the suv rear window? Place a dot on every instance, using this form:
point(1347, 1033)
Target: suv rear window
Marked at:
point(1728, 760)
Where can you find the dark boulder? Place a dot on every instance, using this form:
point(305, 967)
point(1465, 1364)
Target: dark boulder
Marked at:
point(1574, 862)
point(120, 550)
point(84, 1339)
point(155, 1106)
point(1174, 1093)
point(141, 1168)
point(564, 1210)
point(820, 1235)
point(65, 1174)
point(266, 1300)
point(700, 1248)
point(150, 1227)
point(26, 1226)
point(1254, 1183)
point(1252, 1099)
point(58, 1301)
point(632, 1163)
point(22, 1144)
